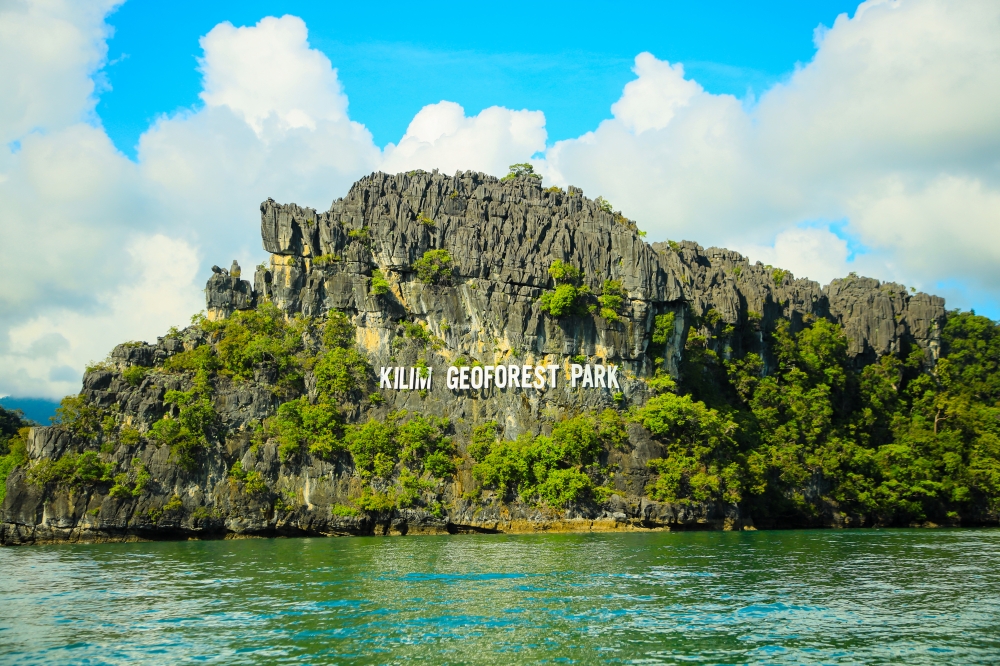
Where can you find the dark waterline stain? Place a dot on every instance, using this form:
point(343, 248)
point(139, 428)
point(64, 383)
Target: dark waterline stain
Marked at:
point(878, 596)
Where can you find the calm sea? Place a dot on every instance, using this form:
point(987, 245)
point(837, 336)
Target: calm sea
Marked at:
point(797, 597)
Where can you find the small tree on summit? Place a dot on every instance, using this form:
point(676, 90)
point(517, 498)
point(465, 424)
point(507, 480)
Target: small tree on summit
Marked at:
point(520, 170)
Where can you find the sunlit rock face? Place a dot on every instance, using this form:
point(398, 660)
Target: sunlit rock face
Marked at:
point(504, 236)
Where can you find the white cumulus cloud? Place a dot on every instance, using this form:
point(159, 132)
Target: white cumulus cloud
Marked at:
point(892, 130)
point(652, 100)
point(80, 216)
point(268, 71)
point(49, 50)
point(442, 137)
point(893, 126)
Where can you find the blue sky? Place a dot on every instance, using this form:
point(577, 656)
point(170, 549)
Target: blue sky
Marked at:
point(569, 59)
point(138, 139)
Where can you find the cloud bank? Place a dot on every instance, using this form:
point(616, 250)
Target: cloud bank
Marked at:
point(880, 155)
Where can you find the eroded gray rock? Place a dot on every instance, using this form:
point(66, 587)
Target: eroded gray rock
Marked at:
point(502, 238)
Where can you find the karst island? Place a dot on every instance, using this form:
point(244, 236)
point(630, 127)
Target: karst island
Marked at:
point(453, 354)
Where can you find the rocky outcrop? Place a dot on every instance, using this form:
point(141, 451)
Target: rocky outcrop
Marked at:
point(361, 257)
point(734, 301)
point(226, 293)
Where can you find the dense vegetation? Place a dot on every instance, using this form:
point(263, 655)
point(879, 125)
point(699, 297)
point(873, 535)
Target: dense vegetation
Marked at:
point(893, 444)
point(13, 431)
point(569, 296)
point(554, 470)
point(900, 441)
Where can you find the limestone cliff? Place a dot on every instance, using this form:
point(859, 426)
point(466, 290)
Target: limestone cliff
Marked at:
point(361, 257)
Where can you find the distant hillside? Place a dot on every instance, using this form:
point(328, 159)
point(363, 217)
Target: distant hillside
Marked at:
point(38, 410)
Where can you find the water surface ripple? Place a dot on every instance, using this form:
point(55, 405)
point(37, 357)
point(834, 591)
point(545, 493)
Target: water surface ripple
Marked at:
point(824, 597)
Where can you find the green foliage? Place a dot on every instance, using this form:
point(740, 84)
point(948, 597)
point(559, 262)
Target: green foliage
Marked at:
point(700, 463)
point(72, 470)
point(702, 372)
point(375, 502)
point(394, 447)
point(378, 446)
point(325, 260)
point(344, 511)
point(894, 443)
point(361, 234)
point(577, 439)
point(11, 422)
point(663, 329)
point(338, 331)
point(254, 484)
point(417, 331)
point(425, 220)
point(16, 456)
point(550, 470)
point(569, 297)
point(603, 204)
point(564, 273)
point(203, 513)
point(661, 382)
point(187, 433)
point(522, 170)
point(128, 436)
point(433, 267)
point(380, 286)
point(132, 482)
point(422, 439)
point(236, 472)
point(201, 358)
point(81, 418)
point(134, 374)
point(440, 464)
point(341, 374)
point(971, 365)
point(285, 502)
point(374, 448)
point(410, 488)
point(779, 275)
point(612, 429)
point(299, 425)
point(566, 300)
point(261, 336)
point(102, 365)
point(711, 318)
point(563, 486)
point(484, 436)
point(611, 300)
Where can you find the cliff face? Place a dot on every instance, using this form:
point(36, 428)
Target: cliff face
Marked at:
point(483, 307)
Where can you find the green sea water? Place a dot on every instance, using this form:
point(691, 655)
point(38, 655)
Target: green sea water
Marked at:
point(795, 597)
